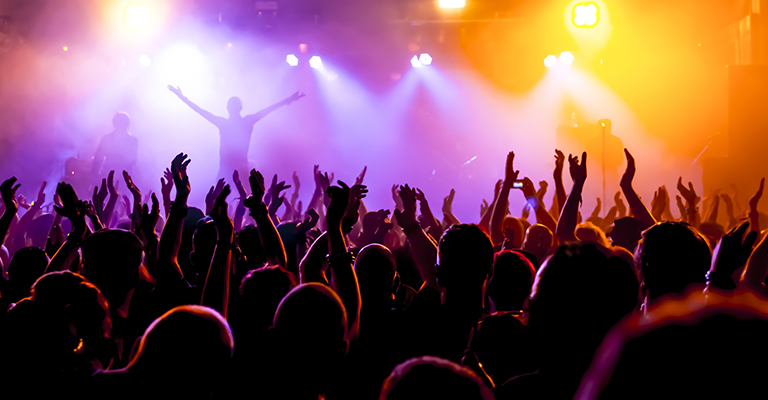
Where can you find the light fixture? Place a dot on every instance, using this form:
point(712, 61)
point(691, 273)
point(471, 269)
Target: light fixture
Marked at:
point(292, 60)
point(585, 15)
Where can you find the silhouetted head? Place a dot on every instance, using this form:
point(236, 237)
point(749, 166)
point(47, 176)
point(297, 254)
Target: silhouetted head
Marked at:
point(168, 349)
point(583, 289)
point(713, 232)
point(430, 377)
point(121, 121)
point(250, 244)
point(501, 344)
point(375, 267)
point(310, 328)
point(63, 324)
point(510, 283)
point(111, 260)
point(679, 348)
point(234, 105)
point(670, 257)
point(261, 291)
point(588, 232)
point(27, 265)
point(466, 258)
point(538, 241)
point(626, 233)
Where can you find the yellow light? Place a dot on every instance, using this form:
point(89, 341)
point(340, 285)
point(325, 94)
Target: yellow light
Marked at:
point(136, 15)
point(452, 3)
point(65, 48)
point(586, 15)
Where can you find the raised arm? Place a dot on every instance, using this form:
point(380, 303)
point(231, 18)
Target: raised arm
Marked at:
point(754, 216)
point(343, 277)
point(559, 200)
point(566, 225)
point(216, 290)
point(423, 249)
point(499, 209)
point(270, 239)
point(254, 118)
point(636, 205)
point(216, 120)
point(170, 240)
point(532, 198)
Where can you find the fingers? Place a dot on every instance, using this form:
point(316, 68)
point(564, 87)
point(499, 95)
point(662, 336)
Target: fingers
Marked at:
point(583, 158)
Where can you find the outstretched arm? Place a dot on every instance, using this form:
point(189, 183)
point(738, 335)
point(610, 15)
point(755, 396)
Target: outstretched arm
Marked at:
point(254, 118)
point(635, 204)
point(497, 217)
point(216, 120)
point(566, 225)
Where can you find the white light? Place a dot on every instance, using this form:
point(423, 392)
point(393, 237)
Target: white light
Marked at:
point(416, 63)
point(292, 60)
point(182, 65)
point(315, 62)
point(144, 60)
point(425, 59)
point(136, 15)
point(566, 57)
point(550, 61)
point(452, 3)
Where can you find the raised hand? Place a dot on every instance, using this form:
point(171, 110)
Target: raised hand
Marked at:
point(659, 203)
point(578, 171)
point(559, 163)
point(543, 185)
point(180, 178)
point(359, 179)
point(69, 202)
point(689, 193)
point(150, 216)
point(510, 175)
point(324, 181)
point(8, 192)
point(213, 194)
point(294, 97)
point(484, 208)
point(175, 90)
point(257, 189)
point(340, 196)
point(681, 207)
point(277, 198)
point(448, 203)
point(239, 185)
point(40, 200)
point(220, 216)
point(296, 183)
point(166, 183)
point(99, 195)
point(356, 194)
point(309, 222)
point(22, 202)
point(598, 208)
point(407, 217)
point(396, 197)
point(134, 191)
point(730, 254)
point(629, 172)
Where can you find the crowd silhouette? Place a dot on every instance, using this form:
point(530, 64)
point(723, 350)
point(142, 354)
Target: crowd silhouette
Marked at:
point(134, 298)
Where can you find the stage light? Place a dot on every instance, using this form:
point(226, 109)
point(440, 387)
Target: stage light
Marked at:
point(585, 15)
point(136, 15)
point(65, 48)
point(416, 63)
point(566, 57)
point(425, 59)
point(292, 60)
point(315, 62)
point(452, 3)
point(550, 61)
